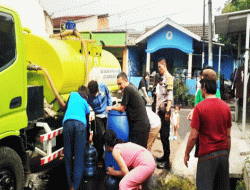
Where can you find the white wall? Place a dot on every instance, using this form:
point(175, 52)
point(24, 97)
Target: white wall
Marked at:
point(31, 14)
point(48, 25)
point(87, 24)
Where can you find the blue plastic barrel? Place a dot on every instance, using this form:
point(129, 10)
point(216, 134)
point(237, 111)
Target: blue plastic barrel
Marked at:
point(118, 122)
point(70, 25)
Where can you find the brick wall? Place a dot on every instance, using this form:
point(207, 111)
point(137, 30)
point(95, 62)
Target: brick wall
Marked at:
point(103, 23)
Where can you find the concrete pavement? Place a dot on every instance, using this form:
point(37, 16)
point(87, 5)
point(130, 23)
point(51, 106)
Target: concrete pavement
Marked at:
point(239, 152)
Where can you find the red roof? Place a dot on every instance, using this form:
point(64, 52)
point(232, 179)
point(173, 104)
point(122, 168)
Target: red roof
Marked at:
point(56, 21)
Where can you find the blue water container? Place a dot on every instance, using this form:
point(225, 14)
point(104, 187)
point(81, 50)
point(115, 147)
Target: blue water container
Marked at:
point(70, 25)
point(90, 160)
point(111, 182)
point(118, 122)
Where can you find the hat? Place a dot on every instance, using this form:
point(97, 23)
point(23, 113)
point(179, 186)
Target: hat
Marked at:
point(209, 74)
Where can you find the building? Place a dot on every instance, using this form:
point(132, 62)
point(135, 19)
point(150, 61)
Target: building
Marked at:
point(83, 22)
point(48, 23)
point(182, 48)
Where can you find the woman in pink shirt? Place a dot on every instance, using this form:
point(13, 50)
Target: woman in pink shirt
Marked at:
point(136, 162)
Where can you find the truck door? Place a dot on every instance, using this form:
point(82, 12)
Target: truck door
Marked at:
point(13, 74)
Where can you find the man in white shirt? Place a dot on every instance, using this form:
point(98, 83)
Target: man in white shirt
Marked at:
point(155, 126)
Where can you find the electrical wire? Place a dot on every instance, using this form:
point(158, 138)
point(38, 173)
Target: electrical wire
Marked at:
point(136, 8)
point(156, 17)
point(75, 7)
point(123, 12)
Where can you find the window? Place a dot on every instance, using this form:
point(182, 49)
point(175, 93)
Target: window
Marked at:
point(7, 40)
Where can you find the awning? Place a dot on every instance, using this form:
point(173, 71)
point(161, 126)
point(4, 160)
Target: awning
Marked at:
point(229, 23)
point(235, 23)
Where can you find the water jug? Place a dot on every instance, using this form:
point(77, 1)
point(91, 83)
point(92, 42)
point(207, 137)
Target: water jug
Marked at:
point(111, 183)
point(118, 122)
point(90, 160)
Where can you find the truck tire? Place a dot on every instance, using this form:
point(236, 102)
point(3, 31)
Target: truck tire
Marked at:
point(11, 170)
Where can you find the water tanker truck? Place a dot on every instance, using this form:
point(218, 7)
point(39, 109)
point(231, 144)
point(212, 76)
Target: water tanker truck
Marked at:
point(37, 74)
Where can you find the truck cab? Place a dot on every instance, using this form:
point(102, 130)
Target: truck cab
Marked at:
point(13, 99)
point(13, 75)
point(37, 75)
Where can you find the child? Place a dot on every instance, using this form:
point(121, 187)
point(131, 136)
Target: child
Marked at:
point(175, 122)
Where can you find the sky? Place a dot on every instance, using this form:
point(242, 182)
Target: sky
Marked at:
point(33, 18)
point(134, 14)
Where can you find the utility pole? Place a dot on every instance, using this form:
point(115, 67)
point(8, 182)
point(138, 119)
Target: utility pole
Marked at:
point(210, 35)
point(203, 37)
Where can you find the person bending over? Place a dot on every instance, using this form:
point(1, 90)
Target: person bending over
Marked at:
point(136, 163)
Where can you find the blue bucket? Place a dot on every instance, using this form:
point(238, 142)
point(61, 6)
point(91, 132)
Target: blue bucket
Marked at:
point(118, 122)
point(70, 25)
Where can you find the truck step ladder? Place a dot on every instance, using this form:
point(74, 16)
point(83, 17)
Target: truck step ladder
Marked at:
point(48, 136)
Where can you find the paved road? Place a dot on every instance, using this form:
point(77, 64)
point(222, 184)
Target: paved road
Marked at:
point(176, 146)
point(184, 123)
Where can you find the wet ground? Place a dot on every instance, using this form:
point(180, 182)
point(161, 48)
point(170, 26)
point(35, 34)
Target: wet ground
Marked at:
point(56, 179)
point(53, 176)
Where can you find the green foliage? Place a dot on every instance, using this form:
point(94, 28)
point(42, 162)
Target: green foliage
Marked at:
point(232, 6)
point(226, 40)
point(240, 185)
point(247, 160)
point(181, 90)
point(191, 100)
point(236, 5)
point(175, 183)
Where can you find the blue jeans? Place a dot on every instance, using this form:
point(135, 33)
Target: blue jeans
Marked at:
point(213, 171)
point(74, 137)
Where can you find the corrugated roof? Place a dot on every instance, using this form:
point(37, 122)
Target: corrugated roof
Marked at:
point(232, 22)
point(198, 29)
point(195, 28)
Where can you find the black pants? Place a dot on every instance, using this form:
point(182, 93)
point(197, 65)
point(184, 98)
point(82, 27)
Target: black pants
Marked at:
point(100, 127)
point(164, 132)
point(213, 171)
point(139, 137)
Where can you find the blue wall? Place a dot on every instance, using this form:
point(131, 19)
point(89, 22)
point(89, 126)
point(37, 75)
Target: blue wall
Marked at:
point(227, 61)
point(179, 40)
point(191, 84)
point(176, 51)
point(135, 81)
point(136, 60)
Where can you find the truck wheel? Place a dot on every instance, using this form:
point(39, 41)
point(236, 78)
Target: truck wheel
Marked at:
point(11, 170)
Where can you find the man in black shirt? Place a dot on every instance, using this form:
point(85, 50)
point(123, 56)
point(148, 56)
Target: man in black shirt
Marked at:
point(134, 106)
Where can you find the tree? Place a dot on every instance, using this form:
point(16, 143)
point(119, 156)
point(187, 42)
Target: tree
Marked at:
point(236, 5)
point(232, 6)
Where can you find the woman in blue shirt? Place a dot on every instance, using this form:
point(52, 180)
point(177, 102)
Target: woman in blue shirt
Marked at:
point(75, 135)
